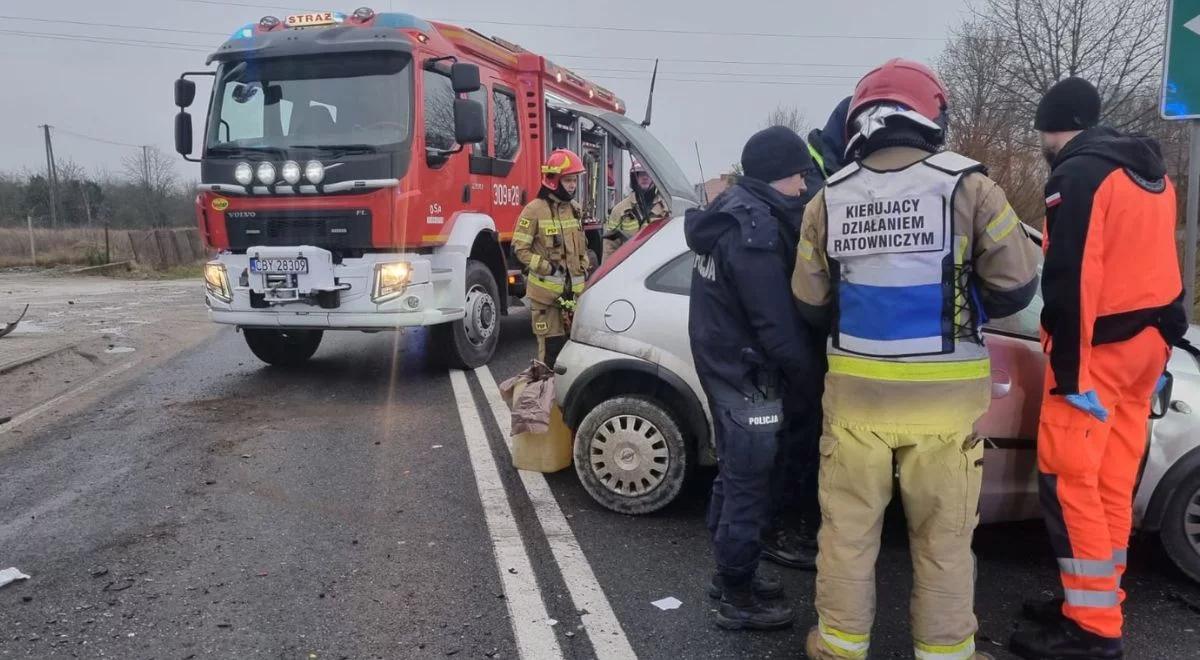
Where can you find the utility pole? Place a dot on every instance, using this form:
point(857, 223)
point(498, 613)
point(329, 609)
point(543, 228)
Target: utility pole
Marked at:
point(150, 215)
point(51, 176)
point(32, 248)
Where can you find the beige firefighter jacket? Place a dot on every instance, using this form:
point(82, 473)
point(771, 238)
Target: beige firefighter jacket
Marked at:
point(550, 243)
point(625, 220)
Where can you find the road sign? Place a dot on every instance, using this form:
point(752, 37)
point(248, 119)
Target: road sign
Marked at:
point(1181, 69)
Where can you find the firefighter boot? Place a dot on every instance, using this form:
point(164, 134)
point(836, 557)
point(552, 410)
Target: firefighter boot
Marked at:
point(786, 548)
point(1064, 640)
point(742, 609)
point(1047, 611)
point(766, 588)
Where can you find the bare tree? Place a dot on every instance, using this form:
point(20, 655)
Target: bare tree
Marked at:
point(1115, 44)
point(1001, 61)
point(789, 116)
point(155, 176)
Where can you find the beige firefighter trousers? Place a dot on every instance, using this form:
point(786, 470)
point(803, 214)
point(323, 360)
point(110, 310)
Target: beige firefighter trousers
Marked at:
point(940, 479)
point(547, 322)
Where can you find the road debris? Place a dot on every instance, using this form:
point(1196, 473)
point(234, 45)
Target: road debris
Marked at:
point(668, 603)
point(9, 327)
point(10, 575)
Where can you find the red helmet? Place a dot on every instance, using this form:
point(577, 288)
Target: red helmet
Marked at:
point(560, 163)
point(901, 81)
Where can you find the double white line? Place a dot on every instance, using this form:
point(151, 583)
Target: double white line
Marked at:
point(535, 638)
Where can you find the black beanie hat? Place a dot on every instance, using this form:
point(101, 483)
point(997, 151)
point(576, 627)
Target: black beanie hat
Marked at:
point(1072, 104)
point(775, 153)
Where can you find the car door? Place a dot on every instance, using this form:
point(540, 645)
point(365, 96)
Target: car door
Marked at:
point(1010, 490)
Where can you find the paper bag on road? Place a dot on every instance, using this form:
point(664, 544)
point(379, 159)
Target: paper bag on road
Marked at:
point(530, 397)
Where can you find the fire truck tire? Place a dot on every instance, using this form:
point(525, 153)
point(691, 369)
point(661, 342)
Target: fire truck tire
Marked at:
point(282, 348)
point(472, 341)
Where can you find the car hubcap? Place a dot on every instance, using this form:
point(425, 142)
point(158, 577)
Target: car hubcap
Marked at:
point(481, 315)
point(629, 455)
point(1191, 521)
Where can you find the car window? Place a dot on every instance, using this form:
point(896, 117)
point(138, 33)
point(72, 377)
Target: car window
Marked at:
point(673, 277)
point(439, 111)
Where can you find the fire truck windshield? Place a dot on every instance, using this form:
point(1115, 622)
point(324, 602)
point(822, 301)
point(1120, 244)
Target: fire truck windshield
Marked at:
point(350, 101)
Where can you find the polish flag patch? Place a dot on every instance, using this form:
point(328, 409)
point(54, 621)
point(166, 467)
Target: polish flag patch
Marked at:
point(1053, 200)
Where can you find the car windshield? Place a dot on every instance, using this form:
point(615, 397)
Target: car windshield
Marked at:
point(350, 100)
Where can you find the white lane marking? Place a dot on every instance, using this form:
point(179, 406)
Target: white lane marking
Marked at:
point(535, 639)
point(53, 403)
point(608, 638)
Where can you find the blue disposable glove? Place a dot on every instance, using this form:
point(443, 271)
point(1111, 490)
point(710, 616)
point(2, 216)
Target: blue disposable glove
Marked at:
point(1089, 402)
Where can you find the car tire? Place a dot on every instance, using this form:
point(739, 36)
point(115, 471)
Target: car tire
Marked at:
point(1180, 532)
point(470, 342)
point(283, 348)
point(631, 456)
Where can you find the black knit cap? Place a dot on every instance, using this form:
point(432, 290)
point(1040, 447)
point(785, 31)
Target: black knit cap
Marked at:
point(1072, 104)
point(775, 153)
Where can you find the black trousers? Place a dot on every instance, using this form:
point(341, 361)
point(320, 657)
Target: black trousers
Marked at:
point(746, 426)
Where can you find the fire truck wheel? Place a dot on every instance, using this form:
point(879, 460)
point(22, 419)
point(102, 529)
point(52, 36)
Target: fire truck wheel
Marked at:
point(282, 348)
point(631, 456)
point(470, 343)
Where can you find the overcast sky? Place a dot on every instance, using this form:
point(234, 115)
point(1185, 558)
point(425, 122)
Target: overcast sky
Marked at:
point(122, 93)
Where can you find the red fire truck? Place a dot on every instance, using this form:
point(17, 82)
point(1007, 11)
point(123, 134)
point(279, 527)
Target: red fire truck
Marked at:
point(365, 172)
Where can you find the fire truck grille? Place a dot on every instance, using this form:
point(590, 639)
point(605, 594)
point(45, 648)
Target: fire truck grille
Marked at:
point(332, 230)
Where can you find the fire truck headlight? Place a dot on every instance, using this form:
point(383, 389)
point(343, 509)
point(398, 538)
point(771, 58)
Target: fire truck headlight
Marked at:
point(243, 174)
point(291, 172)
point(391, 279)
point(216, 281)
point(266, 173)
point(314, 171)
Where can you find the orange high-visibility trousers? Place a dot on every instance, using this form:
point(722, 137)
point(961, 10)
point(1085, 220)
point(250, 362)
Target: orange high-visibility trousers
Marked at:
point(1087, 474)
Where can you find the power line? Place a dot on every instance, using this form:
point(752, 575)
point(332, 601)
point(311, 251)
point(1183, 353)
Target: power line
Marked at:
point(57, 21)
point(774, 83)
point(161, 45)
point(705, 61)
point(83, 136)
point(723, 73)
point(618, 28)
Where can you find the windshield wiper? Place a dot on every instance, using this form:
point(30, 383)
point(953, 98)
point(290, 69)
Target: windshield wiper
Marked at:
point(340, 149)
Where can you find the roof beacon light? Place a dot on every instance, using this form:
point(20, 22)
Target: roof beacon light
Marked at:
point(268, 22)
point(363, 14)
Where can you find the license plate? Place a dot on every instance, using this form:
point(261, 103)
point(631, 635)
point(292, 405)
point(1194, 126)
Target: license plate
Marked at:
point(311, 19)
point(290, 265)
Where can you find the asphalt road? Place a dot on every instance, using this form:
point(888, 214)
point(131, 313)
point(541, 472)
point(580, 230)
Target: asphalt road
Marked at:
point(217, 508)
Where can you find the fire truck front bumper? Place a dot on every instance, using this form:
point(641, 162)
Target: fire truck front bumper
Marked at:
point(302, 287)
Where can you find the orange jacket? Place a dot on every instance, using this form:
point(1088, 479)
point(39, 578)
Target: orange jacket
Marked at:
point(1111, 267)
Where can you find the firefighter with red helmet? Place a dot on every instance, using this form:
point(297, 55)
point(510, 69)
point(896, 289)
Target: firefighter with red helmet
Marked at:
point(905, 253)
point(550, 243)
point(643, 205)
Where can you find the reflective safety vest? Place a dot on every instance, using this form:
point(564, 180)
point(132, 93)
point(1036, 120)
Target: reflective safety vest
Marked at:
point(900, 275)
point(549, 241)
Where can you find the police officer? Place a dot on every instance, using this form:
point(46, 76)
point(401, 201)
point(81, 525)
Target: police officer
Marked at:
point(748, 342)
point(550, 243)
point(642, 206)
point(905, 250)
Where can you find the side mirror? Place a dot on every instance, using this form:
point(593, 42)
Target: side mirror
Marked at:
point(1162, 401)
point(464, 78)
point(185, 92)
point(469, 123)
point(183, 133)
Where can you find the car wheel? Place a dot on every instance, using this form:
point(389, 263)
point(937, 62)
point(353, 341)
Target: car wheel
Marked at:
point(631, 456)
point(1181, 526)
point(282, 348)
point(471, 342)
